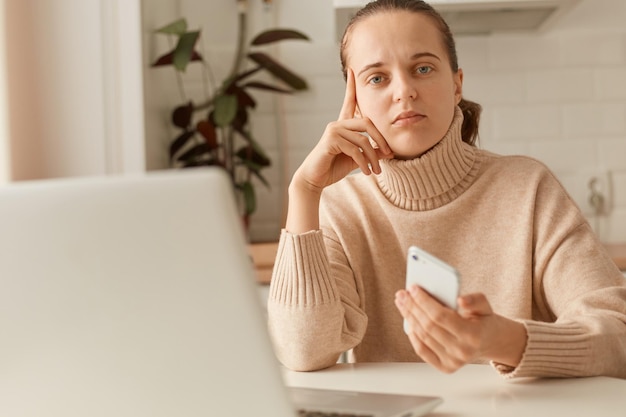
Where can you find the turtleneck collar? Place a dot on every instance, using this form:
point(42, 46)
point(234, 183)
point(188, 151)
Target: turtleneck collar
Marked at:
point(435, 178)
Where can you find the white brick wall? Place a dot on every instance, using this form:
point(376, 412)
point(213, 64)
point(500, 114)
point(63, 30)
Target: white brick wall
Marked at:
point(558, 95)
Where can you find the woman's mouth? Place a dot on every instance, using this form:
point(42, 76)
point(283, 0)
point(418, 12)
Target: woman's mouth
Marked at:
point(407, 118)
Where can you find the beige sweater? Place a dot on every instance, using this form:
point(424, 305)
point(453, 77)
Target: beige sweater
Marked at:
point(504, 222)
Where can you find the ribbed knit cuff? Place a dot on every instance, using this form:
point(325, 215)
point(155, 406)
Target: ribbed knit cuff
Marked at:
point(301, 274)
point(552, 350)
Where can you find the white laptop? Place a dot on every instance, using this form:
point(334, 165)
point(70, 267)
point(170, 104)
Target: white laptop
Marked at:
point(135, 296)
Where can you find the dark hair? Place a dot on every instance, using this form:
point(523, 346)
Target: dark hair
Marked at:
point(471, 110)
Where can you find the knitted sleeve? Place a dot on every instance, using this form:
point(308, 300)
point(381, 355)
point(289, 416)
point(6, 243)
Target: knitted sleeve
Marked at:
point(578, 286)
point(313, 310)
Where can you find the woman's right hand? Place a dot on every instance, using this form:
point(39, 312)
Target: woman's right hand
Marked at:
point(343, 147)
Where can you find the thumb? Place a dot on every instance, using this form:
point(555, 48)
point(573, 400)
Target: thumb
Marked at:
point(474, 305)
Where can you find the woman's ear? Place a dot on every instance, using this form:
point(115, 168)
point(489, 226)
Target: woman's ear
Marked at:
point(458, 86)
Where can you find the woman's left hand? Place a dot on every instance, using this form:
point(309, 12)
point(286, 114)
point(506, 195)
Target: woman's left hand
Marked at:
point(449, 339)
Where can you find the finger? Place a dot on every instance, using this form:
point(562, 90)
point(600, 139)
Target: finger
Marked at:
point(349, 101)
point(373, 140)
point(429, 349)
point(377, 137)
point(424, 351)
point(371, 156)
point(472, 305)
point(365, 125)
point(356, 153)
point(404, 304)
point(423, 329)
point(425, 299)
point(443, 362)
point(454, 331)
point(438, 320)
point(426, 337)
point(349, 107)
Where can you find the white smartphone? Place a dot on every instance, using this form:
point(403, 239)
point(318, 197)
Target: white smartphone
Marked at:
point(433, 275)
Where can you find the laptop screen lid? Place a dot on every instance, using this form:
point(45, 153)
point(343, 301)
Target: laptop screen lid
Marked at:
point(131, 296)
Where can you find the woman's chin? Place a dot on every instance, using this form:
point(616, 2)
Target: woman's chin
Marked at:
point(411, 151)
point(408, 154)
point(409, 148)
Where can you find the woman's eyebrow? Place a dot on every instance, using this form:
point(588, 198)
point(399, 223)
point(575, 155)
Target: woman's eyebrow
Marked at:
point(424, 54)
point(413, 58)
point(374, 65)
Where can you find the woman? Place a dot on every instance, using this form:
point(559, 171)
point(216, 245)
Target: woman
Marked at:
point(539, 295)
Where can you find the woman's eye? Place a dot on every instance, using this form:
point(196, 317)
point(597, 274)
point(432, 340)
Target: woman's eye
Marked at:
point(424, 69)
point(376, 79)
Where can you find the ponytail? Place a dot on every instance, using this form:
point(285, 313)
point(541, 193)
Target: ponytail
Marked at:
point(471, 117)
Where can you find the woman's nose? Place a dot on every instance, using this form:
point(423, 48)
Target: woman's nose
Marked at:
point(404, 90)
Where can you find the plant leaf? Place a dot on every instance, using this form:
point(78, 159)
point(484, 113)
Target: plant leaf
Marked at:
point(263, 86)
point(260, 152)
point(225, 109)
point(250, 153)
point(246, 135)
point(294, 81)
point(200, 163)
point(243, 98)
point(177, 27)
point(256, 147)
point(246, 74)
point(184, 51)
point(207, 130)
point(256, 171)
point(166, 59)
point(275, 35)
point(178, 143)
point(181, 116)
point(249, 197)
point(194, 152)
point(240, 120)
point(258, 174)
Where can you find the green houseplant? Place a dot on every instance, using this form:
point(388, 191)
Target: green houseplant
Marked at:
point(217, 131)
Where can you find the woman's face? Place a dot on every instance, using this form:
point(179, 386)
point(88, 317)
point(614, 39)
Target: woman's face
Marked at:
point(404, 83)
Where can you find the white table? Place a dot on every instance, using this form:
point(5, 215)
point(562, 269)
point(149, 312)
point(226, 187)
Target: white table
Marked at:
point(476, 390)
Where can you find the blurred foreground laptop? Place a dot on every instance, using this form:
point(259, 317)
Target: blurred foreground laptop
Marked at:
point(135, 296)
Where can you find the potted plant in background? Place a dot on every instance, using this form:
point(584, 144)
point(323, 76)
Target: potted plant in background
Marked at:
point(217, 131)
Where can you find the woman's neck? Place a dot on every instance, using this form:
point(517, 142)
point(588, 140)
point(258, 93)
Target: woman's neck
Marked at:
point(435, 178)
